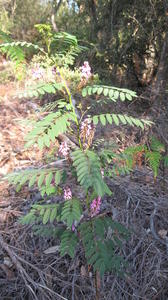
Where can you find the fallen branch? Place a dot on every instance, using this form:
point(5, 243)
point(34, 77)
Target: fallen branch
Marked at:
point(27, 279)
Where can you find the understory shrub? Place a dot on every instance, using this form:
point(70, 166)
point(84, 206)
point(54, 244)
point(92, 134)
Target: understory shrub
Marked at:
point(78, 178)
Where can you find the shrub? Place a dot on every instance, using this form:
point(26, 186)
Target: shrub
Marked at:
point(80, 166)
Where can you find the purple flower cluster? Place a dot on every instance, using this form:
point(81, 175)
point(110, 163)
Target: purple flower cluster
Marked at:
point(64, 149)
point(86, 70)
point(38, 72)
point(86, 128)
point(67, 193)
point(95, 206)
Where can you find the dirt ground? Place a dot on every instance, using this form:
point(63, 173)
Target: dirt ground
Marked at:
point(31, 267)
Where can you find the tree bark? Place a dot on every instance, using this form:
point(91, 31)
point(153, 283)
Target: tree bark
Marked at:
point(92, 6)
point(54, 12)
point(159, 97)
point(159, 85)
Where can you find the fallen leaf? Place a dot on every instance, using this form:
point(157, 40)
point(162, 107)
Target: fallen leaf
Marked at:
point(51, 250)
point(162, 233)
point(83, 271)
point(7, 261)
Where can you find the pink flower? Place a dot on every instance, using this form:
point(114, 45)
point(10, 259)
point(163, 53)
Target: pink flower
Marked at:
point(54, 70)
point(67, 193)
point(86, 128)
point(38, 72)
point(87, 133)
point(86, 70)
point(64, 149)
point(95, 206)
point(4, 62)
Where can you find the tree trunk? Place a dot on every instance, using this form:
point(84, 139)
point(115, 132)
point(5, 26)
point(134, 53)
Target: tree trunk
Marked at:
point(159, 96)
point(54, 25)
point(159, 85)
point(92, 6)
point(54, 12)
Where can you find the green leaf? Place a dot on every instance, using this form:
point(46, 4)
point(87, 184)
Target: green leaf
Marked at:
point(89, 91)
point(40, 142)
point(42, 191)
point(105, 92)
point(28, 219)
point(32, 180)
point(115, 118)
point(46, 140)
point(49, 178)
point(57, 177)
point(129, 97)
point(24, 179)
point(137, 122)
point(71, 211)
point(53, 214)
point(103, 120)
point(94, 89)
point(46, 216)
point(50, 189)
point(18, 188)
point(147, 122)
point(42, 211)
point(68, 243)
point(116, 94)
point(51, 135)
point(40, 180)
point(49, 89)
point(156, 145)
point(95, 120)
point(111, 93)
point(122, 119)
point(99, 90)
point(87, 165)
point(109, 118)
point(122, 96)
point(128, 119)
point(84, 92)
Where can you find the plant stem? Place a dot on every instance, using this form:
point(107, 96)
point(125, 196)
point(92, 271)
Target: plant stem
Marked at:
point(69, 96)
point(70, 101)
point(97, 284)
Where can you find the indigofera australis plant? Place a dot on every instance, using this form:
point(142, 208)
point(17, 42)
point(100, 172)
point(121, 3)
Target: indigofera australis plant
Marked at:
point(78, 178)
